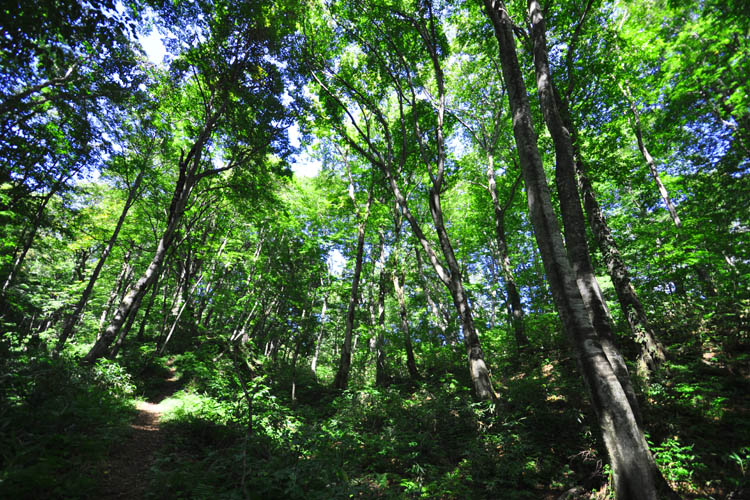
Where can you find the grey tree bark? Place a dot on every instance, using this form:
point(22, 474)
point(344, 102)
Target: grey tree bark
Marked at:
point(381, 374)
point(634, 470)
point(189, 174)
point(398, 278)
point(638, 130)
point(432, 307)
point(651, 351)
point(570, 206)
point(74, 316)
point(703, 275)
point(382, 156)
point(319, 339)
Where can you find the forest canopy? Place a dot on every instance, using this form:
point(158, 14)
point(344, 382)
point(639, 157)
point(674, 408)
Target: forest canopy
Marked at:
point(519, 269)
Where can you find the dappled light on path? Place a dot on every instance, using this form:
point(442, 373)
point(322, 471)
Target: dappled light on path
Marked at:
point(125, 472)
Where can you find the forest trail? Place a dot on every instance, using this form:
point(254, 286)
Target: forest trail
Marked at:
point(125, 470)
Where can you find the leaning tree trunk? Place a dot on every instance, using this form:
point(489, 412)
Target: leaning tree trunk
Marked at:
point(634, 470)
point(703, 275)
point(142, 327)
point(451, 278)
point(118, 290)
point(651, 351)
point(398, 288)
point(74, 316)
point(118, 343)
point(190, 173)
point(570, 206)
point(432, 308)
point(134, 296)
point(28, 239)
point(638, 130)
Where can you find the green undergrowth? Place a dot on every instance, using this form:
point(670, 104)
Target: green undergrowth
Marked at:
point(409, 440)
point(57, 421)
point(423, 439)
point(430, 439)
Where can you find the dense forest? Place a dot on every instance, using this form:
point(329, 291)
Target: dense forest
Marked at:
point(517, 264)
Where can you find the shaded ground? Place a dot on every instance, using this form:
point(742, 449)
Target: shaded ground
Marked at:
point(125, 470)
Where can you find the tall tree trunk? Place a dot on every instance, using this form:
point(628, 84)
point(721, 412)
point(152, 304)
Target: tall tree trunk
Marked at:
point(381, 375)
point(634, 471)
point(117, 345)
point(432, 307)
point(342, 375)
point(319, 340)
point(297, 345)
point(398, 288)
point(570, 206)
point(121, 284)
point(73, 318)
point(434, 161)
point(703, 275)
point(651, 351)
point(191, 171)
point(142, 327)
point(185, 302)
point(133, 298)
point(451, 278)
point(638, 130)
point(514, 298)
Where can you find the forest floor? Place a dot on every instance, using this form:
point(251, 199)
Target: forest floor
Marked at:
point(126, 468)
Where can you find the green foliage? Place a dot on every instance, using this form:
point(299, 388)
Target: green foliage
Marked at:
point(237, 305)
point(58, 420)
point(677, 461)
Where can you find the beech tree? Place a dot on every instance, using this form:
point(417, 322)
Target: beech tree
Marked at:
point(239, 91)
point(485, 196)
point(384, 153)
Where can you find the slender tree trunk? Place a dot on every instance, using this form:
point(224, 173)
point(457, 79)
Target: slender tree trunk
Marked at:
point(634, 470)
point(121, 284)
point(190, 172)
point(142, 327)
point(651, 351)
point(29, 238)
point(117, 345)
point(514, 298)
point(133, 298)
point(73, 318)
point(297, 345)
point(398, 288)
point(703, 275)
point(319, 340)
point(638, 130)
point(381, 375)
point(210, 284)
point(384, 158)
point(451, 278)
point(432, 307)
point(342, 375)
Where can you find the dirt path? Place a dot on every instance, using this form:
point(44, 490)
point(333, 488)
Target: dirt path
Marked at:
point(125, 471)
